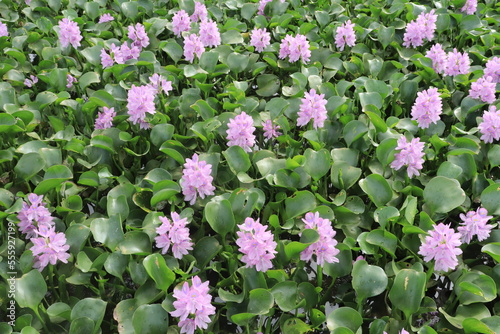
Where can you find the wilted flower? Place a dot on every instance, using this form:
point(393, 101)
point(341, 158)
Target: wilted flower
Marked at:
point(200, 12)
point(439, 58)
point(345, 35)
point(104, 119)
point(240, 131)
point(410, 154)
point(427, 108)
point(70, 80)
point(140, 101)
point(138, 35)
point(324, 248)
point(159, 83)
point(49, 248)
point(475, 223)
point(295, 48)
point(490, 126)
point(492, 69)
point(106, 18)
point(312, 107)
point(443, 245)
point(270, 130)
point(3, 30)
point(209, 33)
point(196, 179)
point(260, 39)
point(193, 306)
point(470, 7)
point(483, 89)
point(457, 63)
point(181, 22)
point(69, 33)
point(34, 216)
point(257, 245)
point(174, 233)
point(192, 46)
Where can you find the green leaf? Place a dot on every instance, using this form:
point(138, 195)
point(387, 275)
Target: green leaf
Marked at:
point(344, 176)
point(386, 35)
point(317, 164)
point(490, 198)
point(268, 84)
point(158, 270)
point(205, 250)
point(285, 295)
point(91, 308)
point(238, 62)
point(237, 159)
point(344, 266)
point(295, 326)
point(408, 290)
point(88, 79)
point(377, 188)
point(475, 287)
point(53, 178)
point(59, 312)
point(30, 289)
point(344, 317)
point(371, 98)
point(260, 301)
point(135, 242)
point(150, 319)
point(82, 325)
point(219, 215)
point(300, 203)
point(367, 280)
point(442, 194)
point(493, 250)
point(383, 239)
point(353, 131)
point(107, 231)
point(29, 165)
point(130, 9)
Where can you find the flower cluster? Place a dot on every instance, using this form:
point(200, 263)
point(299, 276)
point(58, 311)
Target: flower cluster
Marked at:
point(158, 84)
point(442, 245)
point(295, 48)
point(119, 54)
point(36, 220)
point(193, 46)
point(200, 12)
point(69, 33)
point(439, 58)
point(490, 126)
point(492, 69)
point(260, 39)
point(138, 35)
point(421, 28)
point(240, 132)
point(270, 130)
point(313, 106)
point(209, 33)
point(345, 35)
point(475, 223)
point(106, 18)
point(104, 119)
point(193, 306)
point(174, 233)
point(324, 248)
point(257, 245)
point(483, 89)
point(31, 81)
point(181, 22)
point(70, 80)
point(3, 30)
point(451, 63)
point(427, 108)
point(470, 7)
point(140, 100)
point(196, 179)
point(410, 154)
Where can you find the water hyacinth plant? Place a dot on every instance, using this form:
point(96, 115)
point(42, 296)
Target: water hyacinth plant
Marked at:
point(277, 166)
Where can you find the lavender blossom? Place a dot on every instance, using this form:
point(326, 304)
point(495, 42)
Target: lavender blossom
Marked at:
point(421, 28)
point(193, 306)
point(295, 48)
point(257, 245)
point(270, 130)
point(174, 233)
point(140, 101)
point(196, 179)
point(31, 81)
point(458, 63)
point(181, 22)
point(209, 33)
point(324, 248)
point(475, 223)
point(104, 119)
point(483, 89)
point(490, 126)
point(427, 108)
point(106, 18)
point(200, 12)
point(260, 39)
point(313, 107)
point(470, 7)
point(193, 46)
point(410, 154)
point(439, 58)
point(442, 245)
point(69, 33)
point(3, 30)
point(262, 6)
point(138, 35)
point(158, 83)
point(32, 217)
point(492, 69)
point(106, 60)
point(240, 132)
point(70, 80)
point(345, 35)
point(427, 22)
point(49, 247)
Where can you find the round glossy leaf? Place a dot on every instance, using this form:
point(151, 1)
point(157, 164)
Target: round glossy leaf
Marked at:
point(107, 231)
point(219, 215)
point(300, 203)
point(368, 280)
point(490, 198)
point(472, 325)
point(317, 164)
point(343, 175)
point(443, 194)
point(408, 290)
point(158, 270)
point(30, 289)
point(82, 325)
point(354, 130)
point(268, 84)
point(285, 295)
point(116, 264)
point(475, 287)
point(377, 188)
point(150, 319)
point(295, 326)
point(76, 236)
point(59, 312)
point(205, 250)
point(237, 159)
point(91, 308)
point(383, 239)
point(344, 266)
point(493, 250)
point(260, 301)
point(135, 242)
point(344, 317)
point(29, 165)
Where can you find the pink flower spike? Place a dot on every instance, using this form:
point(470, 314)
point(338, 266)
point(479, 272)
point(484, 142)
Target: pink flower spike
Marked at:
point(490, 126)
point(49, 247)
point(181, 22)
point(345, 35)
point(458, 63)
point(69, 33)
point(260, 39)
point(483, 89)
point(427, 108)
point(174, 233)
point(470, 7)
point(475, 223)
point(442, 245)
point(104, 119)
point(492, 69)
point(313, 107)
point(3, 30)
point(196, 179)
point(140, 101)
point(240, 132)
point(138, 36)
point(410, 154)
point(32, 217)
point(257, 245)
point(106, 18)
point(209, 33)
point(270, 130)
point(200, 12)
point(193, 46)
point(324, 249)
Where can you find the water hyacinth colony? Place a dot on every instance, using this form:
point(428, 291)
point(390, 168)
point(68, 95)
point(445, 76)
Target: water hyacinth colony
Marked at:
point(265, 166)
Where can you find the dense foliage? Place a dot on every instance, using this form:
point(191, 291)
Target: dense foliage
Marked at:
point(244, 167)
